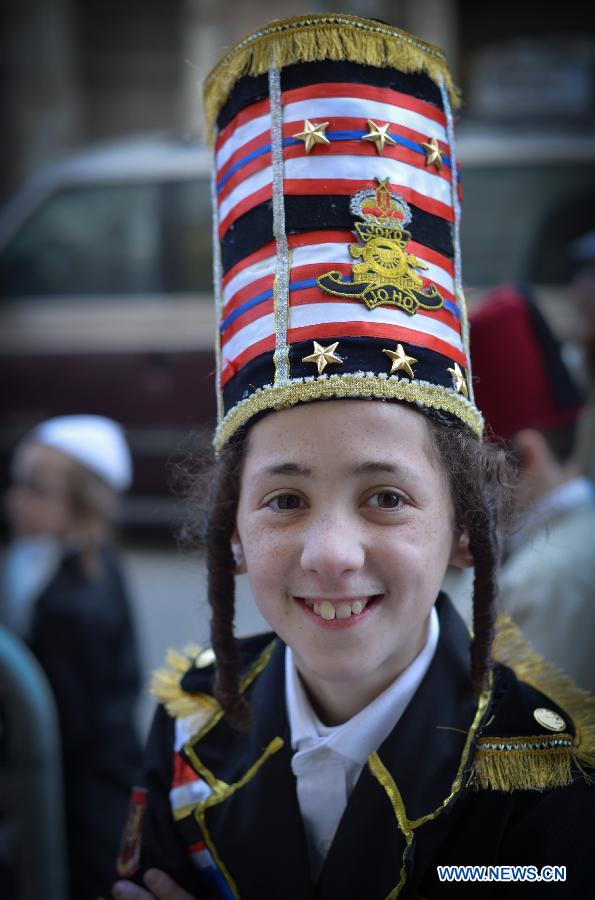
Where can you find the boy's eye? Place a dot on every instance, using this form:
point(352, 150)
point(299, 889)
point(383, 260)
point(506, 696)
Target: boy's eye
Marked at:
point(286, 501)
point(386, 500)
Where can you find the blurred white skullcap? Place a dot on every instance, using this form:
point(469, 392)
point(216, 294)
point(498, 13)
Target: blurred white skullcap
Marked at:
point(95, 441)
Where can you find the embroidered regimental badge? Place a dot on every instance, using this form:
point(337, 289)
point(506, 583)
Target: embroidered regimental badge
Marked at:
point(386, 274)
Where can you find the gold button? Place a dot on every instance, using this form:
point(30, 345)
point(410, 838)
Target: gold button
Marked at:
point(549, 719)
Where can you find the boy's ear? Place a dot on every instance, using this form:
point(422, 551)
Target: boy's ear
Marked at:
point(238, 553)
point(460, 555)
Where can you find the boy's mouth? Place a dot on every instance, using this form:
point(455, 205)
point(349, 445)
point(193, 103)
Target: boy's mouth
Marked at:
point(339, 609)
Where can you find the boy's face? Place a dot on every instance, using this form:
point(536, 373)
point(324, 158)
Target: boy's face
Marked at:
point(345, 527)
point(37, 501)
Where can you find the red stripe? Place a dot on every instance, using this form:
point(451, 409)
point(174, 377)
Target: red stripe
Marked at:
point(258, 197)
point(335, 148)
point(344, 329)
point(316, 295)
point(306, 296)
point(245, 115)
point(342, 123)
point(390, 332)
point(264, 253)
point(255, 144)
point(341, 186)
point(314, 270)
point(183, 774)
point(230, 368)
point(347, 186)
point(197, 847)
point(432, 256)
point(332, 90)
point(255, 165)
point(306, 239)
point(251, 315)
point(246, 293)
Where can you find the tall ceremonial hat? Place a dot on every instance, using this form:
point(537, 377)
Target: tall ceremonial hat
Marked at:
point(521, 377)
point(336, 222)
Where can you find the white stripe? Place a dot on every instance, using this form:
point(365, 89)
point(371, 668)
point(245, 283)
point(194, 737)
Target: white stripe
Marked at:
point(333, 108)
point(247, 187)
point(329, 313)
point(186, 794)
point(351, 168)
point(329, 254)
point(203, 859)
point(241, 136)
point(356, 108)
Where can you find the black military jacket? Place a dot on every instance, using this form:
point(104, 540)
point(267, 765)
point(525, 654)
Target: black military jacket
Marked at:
point(457, 782)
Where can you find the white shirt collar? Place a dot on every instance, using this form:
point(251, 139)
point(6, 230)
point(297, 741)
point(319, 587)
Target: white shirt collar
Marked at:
point(364, 732)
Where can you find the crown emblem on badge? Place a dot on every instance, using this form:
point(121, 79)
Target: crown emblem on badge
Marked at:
point(386, 275)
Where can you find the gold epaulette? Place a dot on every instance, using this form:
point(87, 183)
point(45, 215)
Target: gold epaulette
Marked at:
point(166, 688)
point(537, 761)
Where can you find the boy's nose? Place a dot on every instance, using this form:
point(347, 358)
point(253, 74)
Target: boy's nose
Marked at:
point(332, 549)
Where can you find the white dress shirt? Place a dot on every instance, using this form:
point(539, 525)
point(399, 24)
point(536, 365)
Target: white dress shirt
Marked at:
point(328, 760)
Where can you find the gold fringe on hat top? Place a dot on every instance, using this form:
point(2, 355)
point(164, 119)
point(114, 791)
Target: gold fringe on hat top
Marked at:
point(317, 37)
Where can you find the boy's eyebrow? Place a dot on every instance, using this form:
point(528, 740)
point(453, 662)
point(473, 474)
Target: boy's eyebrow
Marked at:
point(370, 468)
point(286, 468)
point(367, 468)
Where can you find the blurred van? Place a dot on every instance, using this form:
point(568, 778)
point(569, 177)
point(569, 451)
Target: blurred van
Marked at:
point(106, 303)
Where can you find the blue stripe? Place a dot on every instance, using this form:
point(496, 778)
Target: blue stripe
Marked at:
point(242, 162)
point(332, 136)
point(296, 286)
point(452, 309)
point(244, 307)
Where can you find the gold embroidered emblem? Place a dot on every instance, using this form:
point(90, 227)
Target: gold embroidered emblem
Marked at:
point(386, 274)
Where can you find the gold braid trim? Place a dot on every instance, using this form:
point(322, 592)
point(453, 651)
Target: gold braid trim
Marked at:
point(165, 685)
point(318, 37)
point(354, 385)
point(542, 761)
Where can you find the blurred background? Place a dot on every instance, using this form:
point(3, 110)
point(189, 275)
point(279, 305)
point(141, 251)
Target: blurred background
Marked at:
point(105, 243)
point(105, 239)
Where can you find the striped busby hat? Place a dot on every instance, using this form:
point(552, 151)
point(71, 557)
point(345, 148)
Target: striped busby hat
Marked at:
point(336, 222)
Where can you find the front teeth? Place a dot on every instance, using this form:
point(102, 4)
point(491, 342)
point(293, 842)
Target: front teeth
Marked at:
point(328, 612)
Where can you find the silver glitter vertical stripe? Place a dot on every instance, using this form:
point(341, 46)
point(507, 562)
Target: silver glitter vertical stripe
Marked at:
point(281, 294)
point(217, 288)
point(456, 228)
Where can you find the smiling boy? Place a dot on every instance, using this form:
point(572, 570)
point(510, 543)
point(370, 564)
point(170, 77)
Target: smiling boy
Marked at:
point(370, 739)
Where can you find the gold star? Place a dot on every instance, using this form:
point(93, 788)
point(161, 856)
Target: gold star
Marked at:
point(313, 134)
point(459, 382)
point(323, 356)
point(400, 360)
point(378, 135)
point(433, 154)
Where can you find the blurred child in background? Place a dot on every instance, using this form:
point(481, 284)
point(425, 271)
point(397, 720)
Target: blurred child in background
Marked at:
point(64, 594)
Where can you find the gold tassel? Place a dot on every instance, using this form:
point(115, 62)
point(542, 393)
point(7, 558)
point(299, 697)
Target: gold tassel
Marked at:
point(318, 37)
point(543, 761)
point(508, 768)
point(165, 685)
